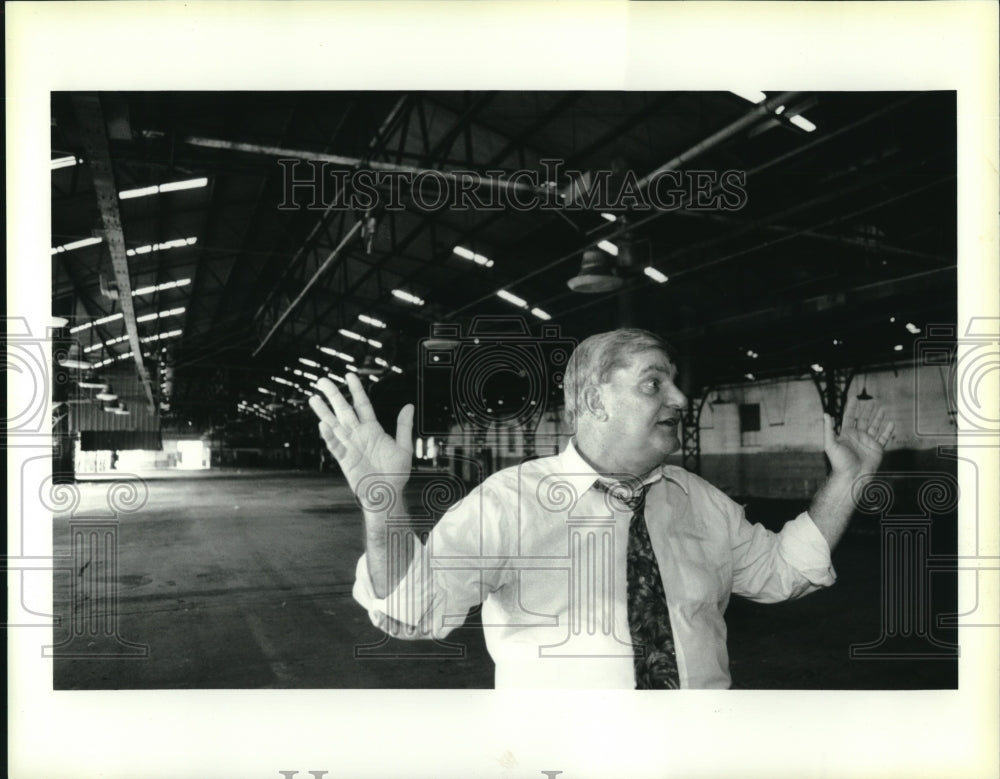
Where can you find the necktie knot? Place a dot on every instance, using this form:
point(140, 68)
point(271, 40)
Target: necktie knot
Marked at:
point(631, 495)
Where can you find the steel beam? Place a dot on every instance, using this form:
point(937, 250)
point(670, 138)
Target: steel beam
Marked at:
point(94, 136)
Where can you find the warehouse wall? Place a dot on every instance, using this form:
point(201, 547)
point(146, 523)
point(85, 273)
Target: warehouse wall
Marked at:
point(785, 457)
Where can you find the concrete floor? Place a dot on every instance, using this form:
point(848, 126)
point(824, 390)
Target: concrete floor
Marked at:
point(243, 580)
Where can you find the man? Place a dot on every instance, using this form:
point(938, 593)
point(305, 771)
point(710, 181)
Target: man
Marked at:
point(599, 566)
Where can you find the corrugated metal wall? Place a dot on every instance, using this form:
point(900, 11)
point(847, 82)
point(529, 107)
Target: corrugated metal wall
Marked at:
point(99, 429)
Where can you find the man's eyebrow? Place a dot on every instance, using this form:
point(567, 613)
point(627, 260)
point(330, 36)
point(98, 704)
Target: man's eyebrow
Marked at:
point(670, 370)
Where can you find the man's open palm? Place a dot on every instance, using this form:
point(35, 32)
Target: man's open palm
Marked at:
point(864, 434)
point(356, 439)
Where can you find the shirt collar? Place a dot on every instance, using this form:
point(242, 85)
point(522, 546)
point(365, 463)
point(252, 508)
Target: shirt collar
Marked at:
point(581, 476)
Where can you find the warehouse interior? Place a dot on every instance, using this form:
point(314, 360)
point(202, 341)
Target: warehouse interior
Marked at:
point(215, 253)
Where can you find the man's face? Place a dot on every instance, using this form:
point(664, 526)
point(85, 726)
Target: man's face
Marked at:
point(644, 408)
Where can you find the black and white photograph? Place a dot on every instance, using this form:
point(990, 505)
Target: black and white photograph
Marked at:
point(349, 408)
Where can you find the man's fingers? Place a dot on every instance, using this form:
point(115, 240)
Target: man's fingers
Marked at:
point(321, 409)
point(849, 416)
point(864, 413)
point(886, 434)
point(828, 433)
point(333, 443)
point(404, 427)
point(345, 414)
point(362, 406)
point(876, 422)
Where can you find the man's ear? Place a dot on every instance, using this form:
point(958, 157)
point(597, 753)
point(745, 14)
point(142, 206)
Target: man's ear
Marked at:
point(593, 404)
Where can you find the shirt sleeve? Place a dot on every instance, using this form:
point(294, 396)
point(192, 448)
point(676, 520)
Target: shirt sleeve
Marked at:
point(769, 567)
point(454, 570)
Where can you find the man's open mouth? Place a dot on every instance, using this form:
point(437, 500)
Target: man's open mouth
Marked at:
point(671, 422)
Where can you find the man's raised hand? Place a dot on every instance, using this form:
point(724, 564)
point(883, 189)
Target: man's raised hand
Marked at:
point(864, 434)
point(356, 439)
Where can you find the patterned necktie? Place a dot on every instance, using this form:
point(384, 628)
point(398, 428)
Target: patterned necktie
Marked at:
point(648, 617)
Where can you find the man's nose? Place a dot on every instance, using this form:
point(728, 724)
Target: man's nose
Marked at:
point(676, 398)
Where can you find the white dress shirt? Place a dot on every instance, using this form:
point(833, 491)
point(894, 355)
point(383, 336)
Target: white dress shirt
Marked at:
point(545, 554)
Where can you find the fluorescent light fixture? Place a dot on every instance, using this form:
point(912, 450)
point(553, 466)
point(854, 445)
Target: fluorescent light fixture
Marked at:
point(609, 247)
point(120, 411)
point(161, 287)
point(370, 320)
point(123, 356)
point(58, 321)
point(386, 364)
point(65, 162)
point(310, 363)
point(351, 368)
point(312, 376)
point(912, 328)
point(541, 314)
point(803, 123)
point(92, 385)
point(892, 319)
point(128, 194)
point(161, 336)
point(750, 376)
point(752, 95)
point(335, 353)
point(82, 365)
point(610, 217)
point(779, 110)
point(512, 298)
point(335, 377)
point(286, 382)
point(101, 321)
point(898, 348)
point(472, 256)
point(817, 367)
point(112, 342)
point(82, 243)
point(837, 342)
point(655, 275)
point(106, 396)
point(160, 314)
point(373, 378)
point(266, 391)
point(177, 243)
point(173, 186)
point(357, 337)
point(417, 301)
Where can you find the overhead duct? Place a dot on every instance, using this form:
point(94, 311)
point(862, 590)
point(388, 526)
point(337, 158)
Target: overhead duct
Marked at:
point(597, 274)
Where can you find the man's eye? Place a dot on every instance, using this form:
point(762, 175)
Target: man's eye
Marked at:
point(653, 385)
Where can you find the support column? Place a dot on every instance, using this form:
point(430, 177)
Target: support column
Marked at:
point(832, 385)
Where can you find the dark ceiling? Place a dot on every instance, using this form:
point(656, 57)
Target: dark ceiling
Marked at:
point(842, 227)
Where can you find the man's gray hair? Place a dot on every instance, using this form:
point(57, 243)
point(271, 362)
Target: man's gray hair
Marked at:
point(596, 357)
